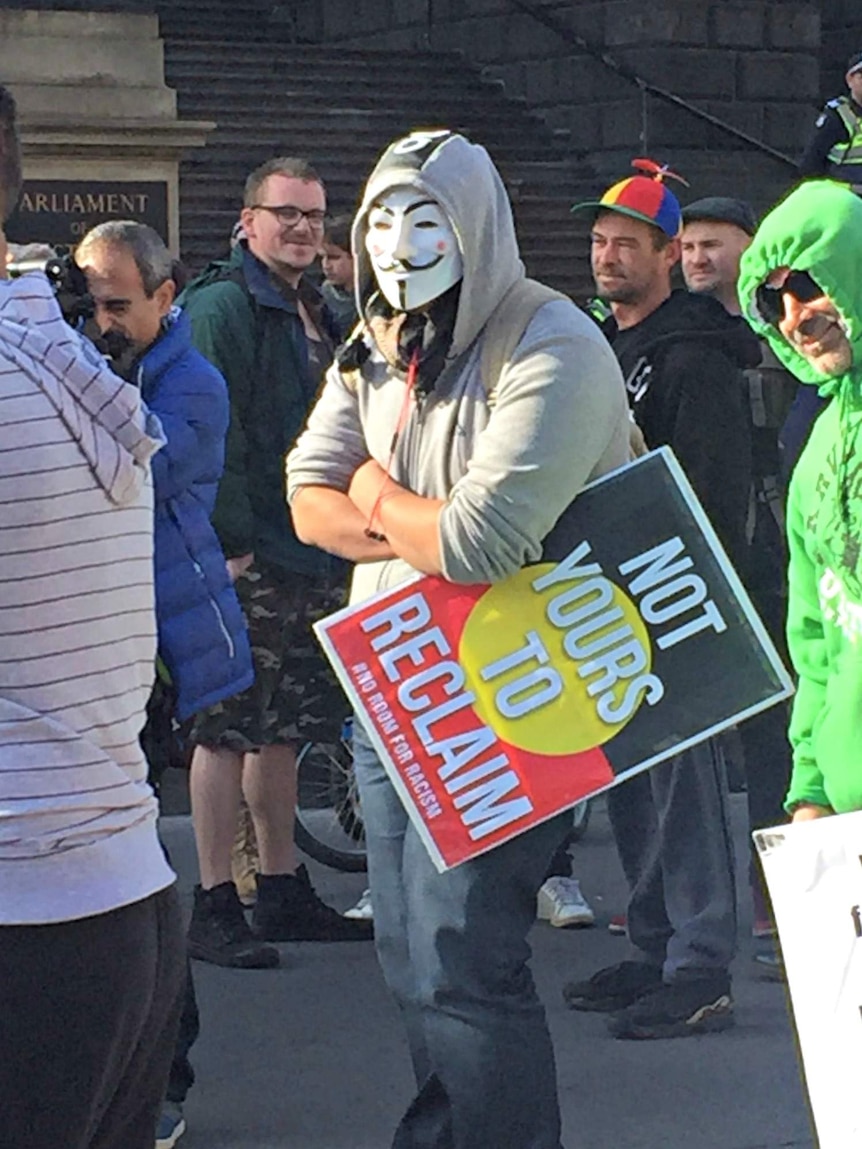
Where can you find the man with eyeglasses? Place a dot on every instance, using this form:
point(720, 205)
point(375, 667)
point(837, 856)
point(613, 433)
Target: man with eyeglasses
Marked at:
point(800, 289)
point(260, 321)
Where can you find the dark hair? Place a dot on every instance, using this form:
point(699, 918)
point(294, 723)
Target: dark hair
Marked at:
point(338, 231)
point(288, 166)
point(146, 246)
point(660, 238)
point(10, 156)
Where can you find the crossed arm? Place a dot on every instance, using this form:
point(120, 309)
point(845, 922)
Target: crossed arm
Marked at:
point(338, 522)
point(560, 408)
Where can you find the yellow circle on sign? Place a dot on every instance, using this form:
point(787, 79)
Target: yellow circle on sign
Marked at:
point(529, 688)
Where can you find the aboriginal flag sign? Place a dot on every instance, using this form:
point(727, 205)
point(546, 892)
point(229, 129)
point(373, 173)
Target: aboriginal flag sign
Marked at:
point(496, 707)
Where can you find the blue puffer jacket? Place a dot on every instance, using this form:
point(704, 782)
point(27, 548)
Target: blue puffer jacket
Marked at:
point(203, 639)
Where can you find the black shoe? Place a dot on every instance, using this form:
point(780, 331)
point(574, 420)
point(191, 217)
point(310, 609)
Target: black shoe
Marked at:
point(288, 910)
point(219, 933)
point(680, 1009)
point(613, 988)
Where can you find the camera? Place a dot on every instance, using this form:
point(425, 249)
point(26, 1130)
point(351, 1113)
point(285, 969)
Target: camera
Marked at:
point(67, 280)
point(70, 288)
point(69, 284)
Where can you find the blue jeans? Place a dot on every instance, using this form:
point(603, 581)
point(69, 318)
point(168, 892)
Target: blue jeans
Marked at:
point(454, 952)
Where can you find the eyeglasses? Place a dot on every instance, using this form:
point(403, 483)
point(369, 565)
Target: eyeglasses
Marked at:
point(770, 300)
point(292, 216)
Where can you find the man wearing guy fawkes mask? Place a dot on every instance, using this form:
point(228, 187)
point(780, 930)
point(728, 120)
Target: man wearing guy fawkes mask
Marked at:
point(414, 460)
point(418, 268)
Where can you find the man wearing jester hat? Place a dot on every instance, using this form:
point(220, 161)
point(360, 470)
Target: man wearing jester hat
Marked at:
point(415, 460)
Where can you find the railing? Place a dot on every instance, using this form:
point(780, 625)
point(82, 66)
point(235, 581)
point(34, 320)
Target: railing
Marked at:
point(646, 87)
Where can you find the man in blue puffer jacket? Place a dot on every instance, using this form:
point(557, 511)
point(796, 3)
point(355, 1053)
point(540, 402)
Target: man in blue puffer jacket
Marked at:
point(202, 635)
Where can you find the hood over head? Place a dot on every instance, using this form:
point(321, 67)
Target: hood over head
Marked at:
point(818, 229)
point(104, 415)
point(461, 177)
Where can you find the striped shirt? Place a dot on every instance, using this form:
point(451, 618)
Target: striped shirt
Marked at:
point(77, 624)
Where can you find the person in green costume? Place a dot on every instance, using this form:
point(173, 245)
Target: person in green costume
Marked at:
point(800, 287)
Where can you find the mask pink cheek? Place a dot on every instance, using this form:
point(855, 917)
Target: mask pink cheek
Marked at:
point(442, 246)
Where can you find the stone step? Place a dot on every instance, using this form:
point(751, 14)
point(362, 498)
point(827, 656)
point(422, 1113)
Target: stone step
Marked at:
point(350, 87)
point(223, 9)
point(344, 188)
point(199, 28)
point(339, 118)
point(200, 175)
point(431, 104)
point(328, 62)
point(361, 147)
point(531, 205)
point(340, 108)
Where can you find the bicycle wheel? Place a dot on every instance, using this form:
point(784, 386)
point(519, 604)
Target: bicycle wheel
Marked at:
point(329, 826)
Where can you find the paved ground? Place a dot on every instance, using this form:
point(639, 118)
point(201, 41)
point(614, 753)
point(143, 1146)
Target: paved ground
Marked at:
point(310, 1056)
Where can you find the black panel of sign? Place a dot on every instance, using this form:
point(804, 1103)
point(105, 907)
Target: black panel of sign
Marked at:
point(63, 211)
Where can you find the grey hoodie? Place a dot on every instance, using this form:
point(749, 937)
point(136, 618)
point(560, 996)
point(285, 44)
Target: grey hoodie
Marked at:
point(559, 416)
point(77, 624)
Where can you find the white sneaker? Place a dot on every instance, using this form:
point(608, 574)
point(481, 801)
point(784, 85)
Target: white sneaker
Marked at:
point(170, 1127)
point(561, 903)
point(363, 911)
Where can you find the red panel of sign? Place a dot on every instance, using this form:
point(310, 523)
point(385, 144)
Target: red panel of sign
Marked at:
point(496, 707)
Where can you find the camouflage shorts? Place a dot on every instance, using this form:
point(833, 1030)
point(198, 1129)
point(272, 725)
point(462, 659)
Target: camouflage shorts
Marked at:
point(295, 695)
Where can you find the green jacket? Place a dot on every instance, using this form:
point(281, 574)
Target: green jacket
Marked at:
point(818, 229)
point(251, 330)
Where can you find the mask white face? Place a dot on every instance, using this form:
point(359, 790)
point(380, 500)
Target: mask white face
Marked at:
point(413, 249)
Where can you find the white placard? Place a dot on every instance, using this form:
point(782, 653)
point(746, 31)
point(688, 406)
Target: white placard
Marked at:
point(814, 873)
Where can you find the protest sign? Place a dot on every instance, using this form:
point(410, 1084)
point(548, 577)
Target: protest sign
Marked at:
point(814, 873)
point(496, 707)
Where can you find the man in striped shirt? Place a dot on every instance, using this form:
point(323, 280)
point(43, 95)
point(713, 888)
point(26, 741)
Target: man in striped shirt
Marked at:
point(91, 947)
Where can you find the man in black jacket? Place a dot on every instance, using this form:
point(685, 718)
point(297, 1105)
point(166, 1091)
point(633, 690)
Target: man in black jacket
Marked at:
point(682, 358)
point(717, 230)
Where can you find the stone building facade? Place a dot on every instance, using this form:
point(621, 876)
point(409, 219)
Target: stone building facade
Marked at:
point(753, 64)
point(841, 22)
point(590, 68)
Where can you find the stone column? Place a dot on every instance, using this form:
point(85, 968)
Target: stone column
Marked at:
point(99, 127)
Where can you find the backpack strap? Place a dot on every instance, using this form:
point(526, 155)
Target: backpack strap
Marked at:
point(505, 329)
point(350, 356)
